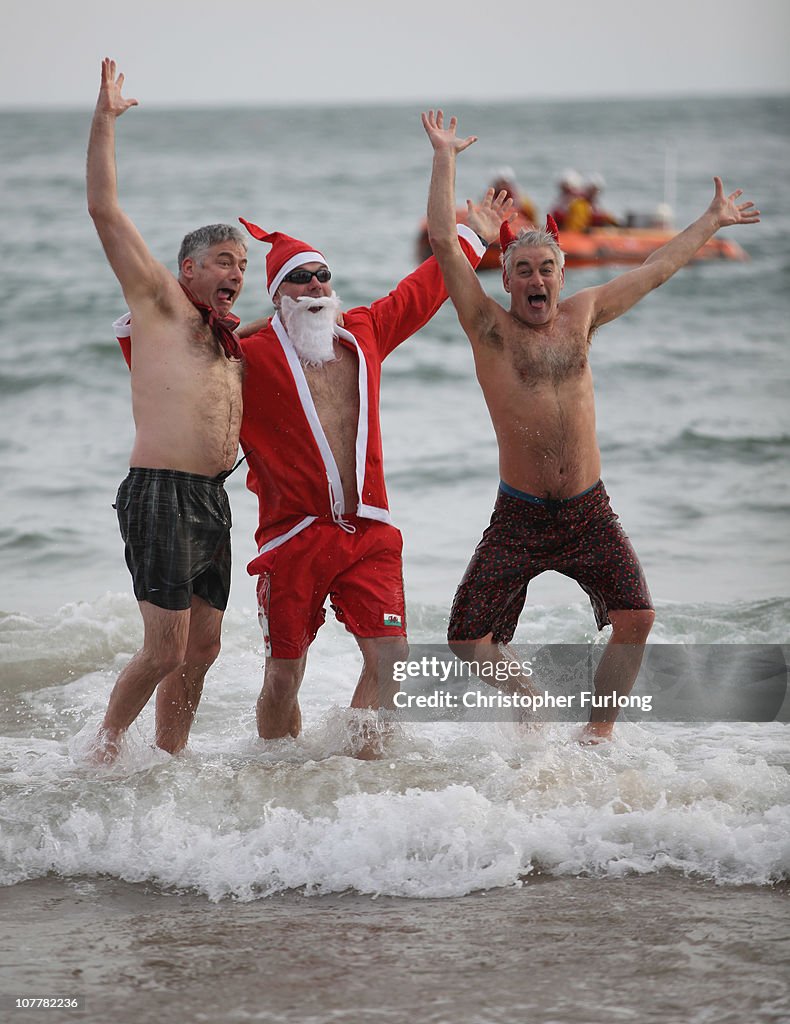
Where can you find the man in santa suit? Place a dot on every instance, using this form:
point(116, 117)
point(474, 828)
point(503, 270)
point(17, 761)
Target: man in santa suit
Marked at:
point(313, 438)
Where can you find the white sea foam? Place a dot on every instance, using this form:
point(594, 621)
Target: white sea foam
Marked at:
point(449, 809)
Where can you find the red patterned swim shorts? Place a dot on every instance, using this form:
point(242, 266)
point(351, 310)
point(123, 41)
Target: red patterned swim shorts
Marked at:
point(580, 537)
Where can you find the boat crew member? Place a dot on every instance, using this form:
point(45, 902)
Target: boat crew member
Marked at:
point(569, 188)
point(504, 180)
point(584, 211)
point(601, 218)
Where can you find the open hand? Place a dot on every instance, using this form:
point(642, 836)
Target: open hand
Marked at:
point(485, 217)
point(445, 138)
point(110, 99)
point(727, 211)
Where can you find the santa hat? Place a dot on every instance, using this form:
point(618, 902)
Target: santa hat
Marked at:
point(285, 255)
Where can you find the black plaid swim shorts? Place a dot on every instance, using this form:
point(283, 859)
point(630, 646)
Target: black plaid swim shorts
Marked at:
point(176, 528)
point(580, 537)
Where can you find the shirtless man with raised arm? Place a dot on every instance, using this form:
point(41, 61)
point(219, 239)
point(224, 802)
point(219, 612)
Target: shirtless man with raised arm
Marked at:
point(186, 372)
point(552, 511)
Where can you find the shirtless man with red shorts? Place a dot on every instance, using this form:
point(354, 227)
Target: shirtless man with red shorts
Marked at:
point(552, 511)
point(186, 371)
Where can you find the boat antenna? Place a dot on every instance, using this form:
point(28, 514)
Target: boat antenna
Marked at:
point(670, 178)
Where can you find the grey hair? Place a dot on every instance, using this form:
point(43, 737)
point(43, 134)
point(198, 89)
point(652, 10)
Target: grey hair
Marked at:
point(533, 239)
point(199, 241)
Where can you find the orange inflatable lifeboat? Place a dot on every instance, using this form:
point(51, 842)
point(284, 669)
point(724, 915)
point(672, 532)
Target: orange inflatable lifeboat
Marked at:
point(600, 246)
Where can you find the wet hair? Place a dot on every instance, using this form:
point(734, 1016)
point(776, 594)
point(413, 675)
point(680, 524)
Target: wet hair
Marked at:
point(534, 239)
point(198, 242)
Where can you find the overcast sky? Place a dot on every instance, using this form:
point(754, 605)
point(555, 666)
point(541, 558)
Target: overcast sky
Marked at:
point(195, 52)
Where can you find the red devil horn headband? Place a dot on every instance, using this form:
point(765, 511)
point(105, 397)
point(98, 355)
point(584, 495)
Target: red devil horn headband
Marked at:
point(506, 235)
point(552, 229)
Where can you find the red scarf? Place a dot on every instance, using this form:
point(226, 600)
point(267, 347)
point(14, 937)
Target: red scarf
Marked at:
point(221, 327)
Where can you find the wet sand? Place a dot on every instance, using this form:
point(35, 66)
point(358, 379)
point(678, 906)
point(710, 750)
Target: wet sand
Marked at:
point(660, 948)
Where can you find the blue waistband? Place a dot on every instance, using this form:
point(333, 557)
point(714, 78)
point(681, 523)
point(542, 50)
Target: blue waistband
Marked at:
point(523, 496)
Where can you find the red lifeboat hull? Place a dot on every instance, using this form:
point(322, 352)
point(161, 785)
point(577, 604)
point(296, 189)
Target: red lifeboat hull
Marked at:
point(601, 246)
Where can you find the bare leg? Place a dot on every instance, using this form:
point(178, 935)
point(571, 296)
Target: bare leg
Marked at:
point(178, 694)
point(618, 668)
point(376, 687)
point(277, 711)
point(484, 651)
point(164, 643)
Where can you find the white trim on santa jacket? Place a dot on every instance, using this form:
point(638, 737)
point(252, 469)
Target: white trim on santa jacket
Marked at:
point(276, 382)
point(336, 499)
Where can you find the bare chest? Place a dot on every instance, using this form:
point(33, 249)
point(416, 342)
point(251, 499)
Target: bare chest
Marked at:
point(334, 389)
point(537, 360)
point(202, 347)
point(186, 360)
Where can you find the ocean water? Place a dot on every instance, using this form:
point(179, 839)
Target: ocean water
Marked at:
point(695, 434)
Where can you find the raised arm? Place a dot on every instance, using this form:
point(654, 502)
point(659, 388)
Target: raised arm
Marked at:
point(140, 275)
point(471, 302)
point(614, 298)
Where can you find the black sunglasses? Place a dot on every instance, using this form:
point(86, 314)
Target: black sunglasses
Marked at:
point(304, 276)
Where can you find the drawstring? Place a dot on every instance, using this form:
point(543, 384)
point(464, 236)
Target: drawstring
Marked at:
point(348, 527)
point(337, 512)
point(223, 476)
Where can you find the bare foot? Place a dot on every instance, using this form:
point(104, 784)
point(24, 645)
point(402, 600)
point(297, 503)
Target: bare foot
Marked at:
point(278, 722)
point(528, 721)
point(368, 737)
point(106, 748)
point(596, 732)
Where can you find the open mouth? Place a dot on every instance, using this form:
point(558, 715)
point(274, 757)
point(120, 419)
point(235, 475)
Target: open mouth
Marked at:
point(537, 300)
point(226, 293)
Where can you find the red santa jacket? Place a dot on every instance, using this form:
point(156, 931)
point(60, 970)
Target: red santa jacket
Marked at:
point(291, 466)
point(123, 335)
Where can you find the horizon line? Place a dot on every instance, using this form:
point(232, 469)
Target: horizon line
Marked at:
point(356, 102)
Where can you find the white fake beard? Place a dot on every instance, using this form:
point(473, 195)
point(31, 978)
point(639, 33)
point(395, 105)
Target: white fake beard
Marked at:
point(311, 334)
